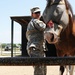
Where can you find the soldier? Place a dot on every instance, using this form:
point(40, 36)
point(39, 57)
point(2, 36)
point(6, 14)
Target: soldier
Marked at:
point(35, 37)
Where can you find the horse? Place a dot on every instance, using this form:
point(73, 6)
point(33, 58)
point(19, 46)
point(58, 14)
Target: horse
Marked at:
point(58, 16)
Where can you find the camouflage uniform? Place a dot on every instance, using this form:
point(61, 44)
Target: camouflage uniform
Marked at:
point(35, 44)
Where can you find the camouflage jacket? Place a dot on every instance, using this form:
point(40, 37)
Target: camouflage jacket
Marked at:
point(35, 34)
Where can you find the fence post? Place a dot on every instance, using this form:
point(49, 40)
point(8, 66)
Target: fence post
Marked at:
point(12, 28)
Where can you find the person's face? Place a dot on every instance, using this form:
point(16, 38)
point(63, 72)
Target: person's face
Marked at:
point(36, 15)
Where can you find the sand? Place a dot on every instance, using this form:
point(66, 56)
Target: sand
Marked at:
point(26, 70)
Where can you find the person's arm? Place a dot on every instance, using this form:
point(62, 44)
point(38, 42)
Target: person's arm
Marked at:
point(40, 25)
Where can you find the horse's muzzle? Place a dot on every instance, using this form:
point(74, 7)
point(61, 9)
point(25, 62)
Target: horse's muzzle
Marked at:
point(54, 39)
point(51, 38)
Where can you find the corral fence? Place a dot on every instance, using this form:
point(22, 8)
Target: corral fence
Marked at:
point(7, 53)
point(27, 61)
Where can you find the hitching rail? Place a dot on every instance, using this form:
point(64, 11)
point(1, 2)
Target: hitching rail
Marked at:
point(27, 61)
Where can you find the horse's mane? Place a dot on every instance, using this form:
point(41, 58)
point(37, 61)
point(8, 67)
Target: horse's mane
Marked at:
point(71, 17)
point(69, 7)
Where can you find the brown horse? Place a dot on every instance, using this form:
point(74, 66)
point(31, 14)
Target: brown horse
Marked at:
point(62, 33)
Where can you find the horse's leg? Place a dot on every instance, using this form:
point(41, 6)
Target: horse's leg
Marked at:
point(62, 68)
point(72, 70)
point(69, 70)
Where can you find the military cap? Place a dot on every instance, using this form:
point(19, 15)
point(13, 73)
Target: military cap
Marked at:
point(35, 9)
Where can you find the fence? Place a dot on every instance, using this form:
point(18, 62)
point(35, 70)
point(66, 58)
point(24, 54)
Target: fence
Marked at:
point(16, 52)
point(27, 61)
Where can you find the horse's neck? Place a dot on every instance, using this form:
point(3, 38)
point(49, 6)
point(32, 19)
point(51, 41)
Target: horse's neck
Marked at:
point(73, 29)
point(70, 29)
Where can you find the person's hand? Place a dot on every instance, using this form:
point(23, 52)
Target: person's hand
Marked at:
point(50, 24)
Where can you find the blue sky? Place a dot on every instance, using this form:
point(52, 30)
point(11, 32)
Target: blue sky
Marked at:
point(17, 8)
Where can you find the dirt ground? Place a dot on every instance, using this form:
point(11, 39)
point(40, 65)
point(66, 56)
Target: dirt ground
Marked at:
point(26, 70)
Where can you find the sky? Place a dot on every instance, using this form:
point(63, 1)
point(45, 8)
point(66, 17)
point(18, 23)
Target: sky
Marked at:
point(10, 8)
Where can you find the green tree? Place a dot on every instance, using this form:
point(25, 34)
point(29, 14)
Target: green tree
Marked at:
point(14, 45)
point(3, 45)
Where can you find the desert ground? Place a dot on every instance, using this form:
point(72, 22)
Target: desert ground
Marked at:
point(26, 70)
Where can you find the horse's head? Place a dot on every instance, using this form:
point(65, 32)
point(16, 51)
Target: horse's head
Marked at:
point(60, 18)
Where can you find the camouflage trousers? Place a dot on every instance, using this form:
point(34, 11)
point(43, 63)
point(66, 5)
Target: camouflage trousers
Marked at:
point(38, 69)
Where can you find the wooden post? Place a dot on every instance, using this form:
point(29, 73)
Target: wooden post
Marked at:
point(24, 41)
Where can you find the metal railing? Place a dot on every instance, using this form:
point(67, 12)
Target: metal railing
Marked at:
point(27, 61)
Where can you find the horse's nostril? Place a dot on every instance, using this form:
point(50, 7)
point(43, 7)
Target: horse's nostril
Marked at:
point(52, 38)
